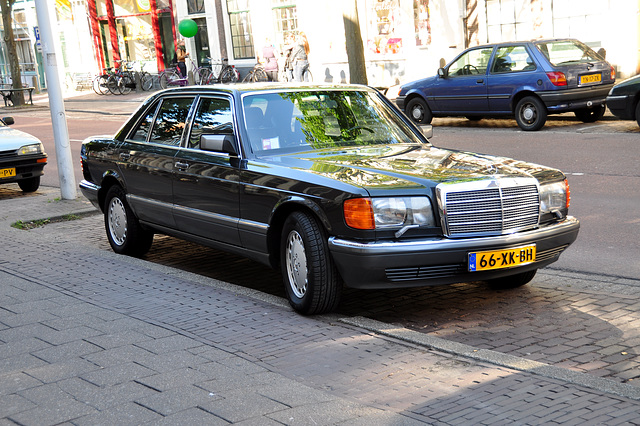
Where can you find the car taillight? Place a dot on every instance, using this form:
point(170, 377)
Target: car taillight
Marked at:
point(613, 72)
point(557, 78)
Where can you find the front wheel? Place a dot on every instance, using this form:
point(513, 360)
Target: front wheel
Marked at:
point(512, 281)
point(418, 111)
point(124, 232)
point(29, 185)
point(590, 115)
point(312, 282)
point(531, 114)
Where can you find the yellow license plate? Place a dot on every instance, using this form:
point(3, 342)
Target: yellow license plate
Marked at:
point(591, 78)
point(499, 259)
point(7, 173)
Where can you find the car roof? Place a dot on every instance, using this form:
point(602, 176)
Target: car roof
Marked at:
point(244, 88)
point(536, 41)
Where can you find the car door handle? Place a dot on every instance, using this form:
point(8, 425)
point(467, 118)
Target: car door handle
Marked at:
point(182, 166)
point(125, 155)
point(480, 81)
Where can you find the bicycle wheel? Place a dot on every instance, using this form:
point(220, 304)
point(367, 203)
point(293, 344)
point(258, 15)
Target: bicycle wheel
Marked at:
point(146, 82)
point(248, 78)
point(112, 84)
point(307, 77)
point(125, 84)
point(168, 78)
point(204, 76)
point(260, 75)
point(228, 75)
point(100, 85)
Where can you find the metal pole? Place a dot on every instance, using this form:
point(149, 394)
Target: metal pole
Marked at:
point(56, 104)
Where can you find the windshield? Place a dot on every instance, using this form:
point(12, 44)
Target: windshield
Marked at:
point(307, 120)
point(565, 52)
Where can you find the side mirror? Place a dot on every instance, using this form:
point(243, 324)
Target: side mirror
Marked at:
point(427, 131)
point(442, 73)
point(8, 120)
point(218, 143)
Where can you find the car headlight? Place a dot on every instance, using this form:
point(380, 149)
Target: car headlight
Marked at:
point(393, 212)
point(35, 148)
point(554, 197)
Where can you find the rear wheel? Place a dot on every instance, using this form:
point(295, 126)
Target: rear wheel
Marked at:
point(311, 280)
point(124, 232)
point(590, 115)
point(512, 281)
point(112, 85)
point(418, 111)
point(29, 185)
point(227, 75)
point(125, 84)
point(100, 85)
point(204, 76)
point(531, 114)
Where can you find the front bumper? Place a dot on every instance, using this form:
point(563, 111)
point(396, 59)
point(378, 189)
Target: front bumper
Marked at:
point(26, 167)
point(621, 106)
point(400, 101)
point(437, 261)
point(575, 99)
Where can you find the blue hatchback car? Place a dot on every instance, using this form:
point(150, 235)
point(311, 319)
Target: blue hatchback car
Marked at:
point(527, 79)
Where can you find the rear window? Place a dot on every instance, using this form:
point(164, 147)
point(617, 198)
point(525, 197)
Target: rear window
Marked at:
point(567, 52)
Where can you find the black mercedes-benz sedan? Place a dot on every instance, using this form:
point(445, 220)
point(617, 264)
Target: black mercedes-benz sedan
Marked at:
point(331, 184)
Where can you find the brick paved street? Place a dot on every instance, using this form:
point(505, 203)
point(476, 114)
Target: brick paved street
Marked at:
point(90, 337)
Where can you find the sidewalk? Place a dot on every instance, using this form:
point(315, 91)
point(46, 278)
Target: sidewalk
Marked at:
point(91, 337)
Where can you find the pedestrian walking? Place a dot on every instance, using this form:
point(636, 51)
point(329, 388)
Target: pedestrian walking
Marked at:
point(300, 58)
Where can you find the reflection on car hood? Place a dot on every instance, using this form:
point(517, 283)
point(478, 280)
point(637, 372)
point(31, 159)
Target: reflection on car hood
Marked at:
point(14, 139)
point(386, 166)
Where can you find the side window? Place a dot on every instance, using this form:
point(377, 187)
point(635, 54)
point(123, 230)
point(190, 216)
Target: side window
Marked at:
point(142, 131)
point(512, 59)
point(170, 121)
point(213, 117)
point(471, 63)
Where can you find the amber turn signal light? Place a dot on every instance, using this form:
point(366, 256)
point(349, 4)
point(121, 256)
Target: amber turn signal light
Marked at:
point(358, 213)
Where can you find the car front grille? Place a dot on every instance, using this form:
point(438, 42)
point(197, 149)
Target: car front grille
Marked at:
point(5, 154)
point(494, 207)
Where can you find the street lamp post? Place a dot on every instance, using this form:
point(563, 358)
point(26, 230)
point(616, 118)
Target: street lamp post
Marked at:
point(56, 104)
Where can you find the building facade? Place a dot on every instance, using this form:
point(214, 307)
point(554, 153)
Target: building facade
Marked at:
point(403, 39)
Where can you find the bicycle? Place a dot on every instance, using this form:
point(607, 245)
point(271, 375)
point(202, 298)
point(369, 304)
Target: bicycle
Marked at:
point(257, 74)
point(100, 82)
point(225, 73)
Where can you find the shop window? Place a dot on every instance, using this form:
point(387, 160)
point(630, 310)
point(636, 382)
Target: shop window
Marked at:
point(241, 34)
point(385, 25)
point(195, 6)
point(422, 22)
point(286, 18)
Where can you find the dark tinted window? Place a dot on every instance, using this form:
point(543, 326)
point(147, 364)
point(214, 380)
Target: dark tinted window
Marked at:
point(142, 131)
point(170, 121)
point(213, 117)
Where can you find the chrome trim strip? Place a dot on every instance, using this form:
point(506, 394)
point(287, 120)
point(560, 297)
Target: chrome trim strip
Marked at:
point(252, 226)
point(444, 244)
point(208, 216)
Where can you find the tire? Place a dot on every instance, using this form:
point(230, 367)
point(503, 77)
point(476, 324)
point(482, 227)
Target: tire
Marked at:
point(311, 280)
point(100, 85)
point(590, 115)
point(418, 111)
point(512, 281)
point(124, 232)
point(204, 76)
point(146, 81)
point(125, 84)
point(228, 75)
point(260, 76)
point(307, 77)
point(167, 78)
point(638, 113)
point(531, 114)
point(248, 78)
point(29, 185)
point(112, 85)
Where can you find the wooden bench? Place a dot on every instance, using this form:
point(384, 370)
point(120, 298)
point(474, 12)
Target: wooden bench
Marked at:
point(8, 93)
